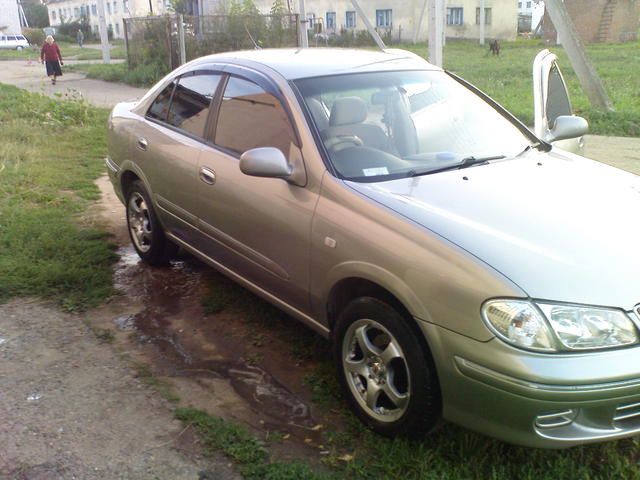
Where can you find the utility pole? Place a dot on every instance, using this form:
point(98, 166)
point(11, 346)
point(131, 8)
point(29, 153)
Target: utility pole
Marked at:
point(369, 25)
point(436, 31)
point(304, 37)
point(482, 20)
point(104, 35)
point(589, 79)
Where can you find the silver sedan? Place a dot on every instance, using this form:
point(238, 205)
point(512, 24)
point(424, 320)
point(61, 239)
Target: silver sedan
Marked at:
point(464, 267)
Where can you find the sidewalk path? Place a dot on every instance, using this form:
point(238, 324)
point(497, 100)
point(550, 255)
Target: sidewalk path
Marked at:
point(31, 76)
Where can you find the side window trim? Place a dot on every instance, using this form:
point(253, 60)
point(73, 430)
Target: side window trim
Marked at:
point(214, 110)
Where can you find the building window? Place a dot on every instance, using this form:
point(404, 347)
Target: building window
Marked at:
point(519, 4)
point(350, 20)
point(94, 10)
point(118, 29)
point(487, 16)
point(454, 16)
point(331, 20)
point(53, 15)
point(115, 7)
point(311, 20)
point(384, 18)
point(76, 12)
point(108, 8)
point(125, 5)
point(528, 4)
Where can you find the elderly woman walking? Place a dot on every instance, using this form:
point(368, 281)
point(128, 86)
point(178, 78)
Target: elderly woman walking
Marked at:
point(50, 55)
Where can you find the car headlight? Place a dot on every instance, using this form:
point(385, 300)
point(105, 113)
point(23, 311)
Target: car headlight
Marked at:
point(519, 323)
point(549, 327)
point(581, 328)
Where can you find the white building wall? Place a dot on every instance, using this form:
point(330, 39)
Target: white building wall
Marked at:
point(405, 14)
point(9, 18)
point(115, 12)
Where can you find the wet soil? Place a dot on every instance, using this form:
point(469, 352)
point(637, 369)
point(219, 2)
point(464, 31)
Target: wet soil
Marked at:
point(222, 363)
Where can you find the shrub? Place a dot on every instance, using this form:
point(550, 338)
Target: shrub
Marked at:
point(34, 35)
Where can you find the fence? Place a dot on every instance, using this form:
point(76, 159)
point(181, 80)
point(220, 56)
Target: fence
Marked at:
point(160, 42)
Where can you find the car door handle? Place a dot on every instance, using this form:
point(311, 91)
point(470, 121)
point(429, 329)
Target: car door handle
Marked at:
point(207, 175)
point(142, 143)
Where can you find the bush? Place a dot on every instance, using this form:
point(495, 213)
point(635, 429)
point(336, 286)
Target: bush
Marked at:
point(34, 35)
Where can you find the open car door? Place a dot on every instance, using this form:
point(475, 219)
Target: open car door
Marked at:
point(554, 118)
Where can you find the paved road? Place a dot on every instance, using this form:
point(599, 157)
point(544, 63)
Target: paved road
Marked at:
point(31, 76)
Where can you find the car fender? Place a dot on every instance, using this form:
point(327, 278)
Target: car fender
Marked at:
point(380, 276)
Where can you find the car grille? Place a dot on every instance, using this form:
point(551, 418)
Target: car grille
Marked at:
point(627, 413)
point(554, 420)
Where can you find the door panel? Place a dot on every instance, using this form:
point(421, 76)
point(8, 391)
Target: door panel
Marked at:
point(551, 99)
point(171, 145)
point(258, 227)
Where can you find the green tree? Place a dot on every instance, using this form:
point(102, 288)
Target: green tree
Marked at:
point(37, 15)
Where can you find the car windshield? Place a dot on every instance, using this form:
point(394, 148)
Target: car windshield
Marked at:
point(385, 125)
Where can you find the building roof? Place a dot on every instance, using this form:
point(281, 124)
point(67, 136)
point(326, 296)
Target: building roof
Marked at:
point(312, 62)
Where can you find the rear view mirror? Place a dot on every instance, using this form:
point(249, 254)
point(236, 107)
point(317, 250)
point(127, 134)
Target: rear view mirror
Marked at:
point(265, 162)
point(567, 126)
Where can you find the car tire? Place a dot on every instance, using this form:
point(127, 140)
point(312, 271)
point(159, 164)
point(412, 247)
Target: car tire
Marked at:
point(145, 230)
point(19, 48)
point(385, 371)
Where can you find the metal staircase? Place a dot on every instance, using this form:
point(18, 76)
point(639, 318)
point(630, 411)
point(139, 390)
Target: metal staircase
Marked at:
point(606, 19)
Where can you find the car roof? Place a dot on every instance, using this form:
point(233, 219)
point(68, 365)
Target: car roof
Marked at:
point(315, 62)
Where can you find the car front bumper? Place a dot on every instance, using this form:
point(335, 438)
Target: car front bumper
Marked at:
point(538, 400)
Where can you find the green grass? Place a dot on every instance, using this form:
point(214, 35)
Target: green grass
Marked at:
point(508, 79)
point(50, 153)
point(68, 50)
point(141, 76)
point(248, 454)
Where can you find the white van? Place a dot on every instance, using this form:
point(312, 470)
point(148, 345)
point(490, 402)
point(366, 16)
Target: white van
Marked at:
point(13, 42)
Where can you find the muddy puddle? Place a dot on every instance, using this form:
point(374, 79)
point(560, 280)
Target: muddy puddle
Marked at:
point(182, 342)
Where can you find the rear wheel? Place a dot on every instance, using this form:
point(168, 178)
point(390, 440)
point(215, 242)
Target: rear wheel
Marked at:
point(145, 230)
point(386, 374)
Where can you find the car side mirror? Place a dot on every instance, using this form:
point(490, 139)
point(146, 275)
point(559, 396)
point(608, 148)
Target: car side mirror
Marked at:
point(567, 126)
point(265, 162)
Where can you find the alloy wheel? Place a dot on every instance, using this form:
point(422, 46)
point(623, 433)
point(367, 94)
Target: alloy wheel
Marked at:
point(139, 222)
point(376, 370)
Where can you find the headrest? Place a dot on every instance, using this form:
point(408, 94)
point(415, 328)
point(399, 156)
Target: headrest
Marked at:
point(347, 111)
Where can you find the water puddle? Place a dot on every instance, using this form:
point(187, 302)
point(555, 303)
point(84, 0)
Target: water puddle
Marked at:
point(186, 343)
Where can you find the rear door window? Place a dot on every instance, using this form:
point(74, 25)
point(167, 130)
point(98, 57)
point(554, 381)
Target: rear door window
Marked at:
point(191, 102)
point(249, 117)
point(160, 106)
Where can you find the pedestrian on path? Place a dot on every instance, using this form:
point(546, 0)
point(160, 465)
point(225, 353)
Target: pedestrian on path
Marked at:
point(51, 57)
point(80, 38)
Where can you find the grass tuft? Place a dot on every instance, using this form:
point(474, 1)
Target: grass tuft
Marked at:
point(51, 152)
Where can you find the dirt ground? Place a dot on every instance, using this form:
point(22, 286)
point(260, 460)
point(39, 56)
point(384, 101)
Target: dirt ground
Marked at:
point(74, 405)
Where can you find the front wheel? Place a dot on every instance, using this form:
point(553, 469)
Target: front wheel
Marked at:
point(385, 372)
point(145, 230)
point(18, 48)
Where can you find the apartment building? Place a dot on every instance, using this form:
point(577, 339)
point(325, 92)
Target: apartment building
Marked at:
point(67, 11)
point(399, 18)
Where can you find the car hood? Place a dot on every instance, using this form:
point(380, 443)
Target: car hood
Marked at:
point(560, 226)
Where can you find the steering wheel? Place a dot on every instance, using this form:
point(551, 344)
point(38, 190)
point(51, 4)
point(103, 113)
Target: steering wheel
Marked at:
point(335, 144)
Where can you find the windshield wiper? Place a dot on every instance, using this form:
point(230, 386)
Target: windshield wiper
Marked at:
point(471, 161)
point(464, 163)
